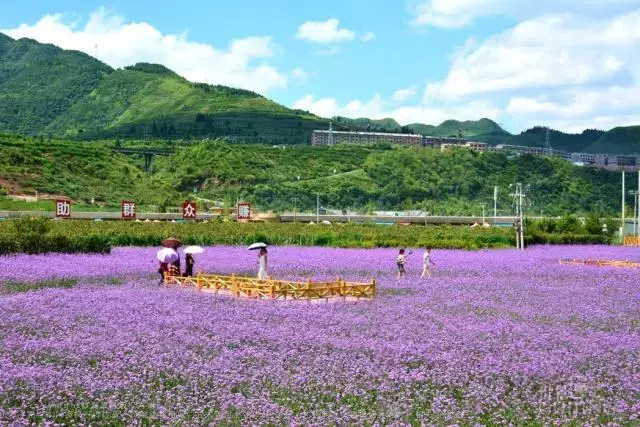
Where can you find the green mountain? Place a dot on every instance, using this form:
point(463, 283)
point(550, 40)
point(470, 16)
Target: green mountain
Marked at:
point(618, 140)
point(483, 129)
point(536, 137)
point(45, 90)
point(40, 82)
point(279, 178)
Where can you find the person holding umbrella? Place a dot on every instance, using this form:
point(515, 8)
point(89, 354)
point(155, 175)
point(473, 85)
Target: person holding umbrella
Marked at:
point(166, 256)
point(174, 244)
point(262, 259)
point(189, 260)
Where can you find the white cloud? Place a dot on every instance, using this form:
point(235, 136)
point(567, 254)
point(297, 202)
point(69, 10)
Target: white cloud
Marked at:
point(301, 75)
point(402, 95)
point(577, 109)
point(329, 51)
point(324, 32)
point(550, 51)
point(460, 13)
point(367, 37)
point(120, 43)
point(322, 107)
point(375, 108)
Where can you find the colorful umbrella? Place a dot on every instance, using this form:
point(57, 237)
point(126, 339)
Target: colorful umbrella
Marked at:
point(167, 255)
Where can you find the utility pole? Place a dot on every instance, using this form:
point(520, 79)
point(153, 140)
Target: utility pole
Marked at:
point(483, 213)
point(635, 210)
point(547, 143)
point(495, 202)
point(318, 208)
point(295, 208)
point(622, 227)
point(518, 198)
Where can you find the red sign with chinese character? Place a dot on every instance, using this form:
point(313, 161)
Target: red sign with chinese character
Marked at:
point(128, 210)
point(189, 210)
point(244, 211)
point(63, 208)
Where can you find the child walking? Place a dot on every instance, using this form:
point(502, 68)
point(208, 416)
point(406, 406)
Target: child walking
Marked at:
point(400, 261)
point(426, 263)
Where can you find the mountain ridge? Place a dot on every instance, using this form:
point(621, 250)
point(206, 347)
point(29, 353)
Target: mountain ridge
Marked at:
point(46, 90)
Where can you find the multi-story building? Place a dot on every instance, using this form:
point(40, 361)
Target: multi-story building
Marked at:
point(325, 137)
point(584, 158)
point(610, 161)
point(330, 137)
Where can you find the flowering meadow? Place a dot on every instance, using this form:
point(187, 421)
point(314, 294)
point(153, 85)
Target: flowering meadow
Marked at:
point(494, 338)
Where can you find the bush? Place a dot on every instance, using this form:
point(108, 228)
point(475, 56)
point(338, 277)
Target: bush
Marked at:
point(566, 239)
point(592, 224)
point(32, 226)
point(570, 224)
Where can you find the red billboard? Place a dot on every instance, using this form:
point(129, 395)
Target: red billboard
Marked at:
point(63, 208)
point(127, 210)
point(189, 210)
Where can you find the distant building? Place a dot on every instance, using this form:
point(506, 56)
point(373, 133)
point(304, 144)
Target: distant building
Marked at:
point(607, 161)
point(330, 137)
point(480, 147)
point(584, 158)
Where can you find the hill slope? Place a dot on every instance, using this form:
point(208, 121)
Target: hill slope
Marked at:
point(354, 177)
point(618, 140)
point(40, 82)
point(45, 90)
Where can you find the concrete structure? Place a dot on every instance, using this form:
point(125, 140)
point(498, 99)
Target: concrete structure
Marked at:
point(607, 161)
point(330, 137)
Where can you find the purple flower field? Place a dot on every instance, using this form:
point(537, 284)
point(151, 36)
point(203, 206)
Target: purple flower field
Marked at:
point(495, 337)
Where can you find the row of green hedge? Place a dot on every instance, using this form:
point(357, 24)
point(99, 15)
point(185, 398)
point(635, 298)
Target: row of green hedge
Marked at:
point(39, 236)
point(538, 238)
point(36, 244)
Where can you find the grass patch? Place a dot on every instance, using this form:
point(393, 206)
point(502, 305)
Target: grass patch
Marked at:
point(19, 287)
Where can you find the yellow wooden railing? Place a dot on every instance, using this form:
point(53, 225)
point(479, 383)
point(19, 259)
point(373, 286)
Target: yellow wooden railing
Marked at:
point(601, 263)
point(631, 241)
point(250, 287)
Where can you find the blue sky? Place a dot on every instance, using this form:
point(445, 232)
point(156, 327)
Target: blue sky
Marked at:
point(568, 64)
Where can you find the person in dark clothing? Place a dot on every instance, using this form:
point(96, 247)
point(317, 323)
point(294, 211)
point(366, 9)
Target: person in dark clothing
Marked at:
point(188, 272)
point(164, 267)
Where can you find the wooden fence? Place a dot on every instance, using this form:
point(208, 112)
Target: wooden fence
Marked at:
point(249, 287)
point(631, 241)
point(601, 263)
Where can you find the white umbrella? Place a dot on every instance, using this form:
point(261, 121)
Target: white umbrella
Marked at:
point(257, 246)
point(193, 250)
point(167, 255)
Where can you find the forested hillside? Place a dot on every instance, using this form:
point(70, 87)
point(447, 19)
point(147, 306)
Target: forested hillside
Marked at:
point(277, 178)
point(47, 91)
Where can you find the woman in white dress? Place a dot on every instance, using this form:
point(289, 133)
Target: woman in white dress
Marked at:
point(426, 263)
point(262, 261)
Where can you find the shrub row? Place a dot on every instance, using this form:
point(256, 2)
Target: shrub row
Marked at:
point(77, 236)
point(32, 243)
point(566, 239)
point(99, 237)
